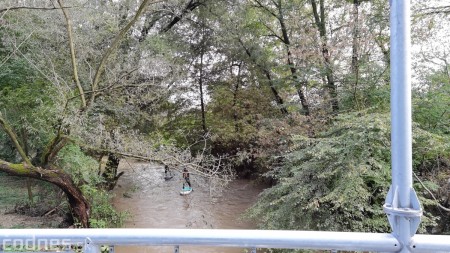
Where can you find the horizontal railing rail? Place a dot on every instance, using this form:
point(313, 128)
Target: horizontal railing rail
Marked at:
point(280, 239)
point(430, 243)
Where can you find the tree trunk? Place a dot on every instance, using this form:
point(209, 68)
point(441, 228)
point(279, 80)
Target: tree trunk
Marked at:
point(298, 85)
point(385, 50)
point(78, 204)
point(24, 136)
point(277, 96)
point(285, 40)
point(320, 23)
point(109, 172)
point(355, 51)
point(235, 95)
point(200, 82)
point(266, 72)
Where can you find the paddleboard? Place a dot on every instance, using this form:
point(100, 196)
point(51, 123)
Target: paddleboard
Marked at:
point(186, 190)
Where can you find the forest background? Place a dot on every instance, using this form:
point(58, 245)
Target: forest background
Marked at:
point(293, 92)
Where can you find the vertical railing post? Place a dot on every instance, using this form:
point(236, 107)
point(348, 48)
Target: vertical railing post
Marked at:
point(402, 205)
point(90, 247)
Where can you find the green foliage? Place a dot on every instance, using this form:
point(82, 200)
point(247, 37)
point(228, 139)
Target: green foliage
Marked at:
point(161, 139)
point(14, 70)
point(84, 171)
point(245, 126)
point(9, 193)
point(339, 180)
point(30, 109)
point(373, 96)
point(103, 214)
point(431, 108)
point(82, 168)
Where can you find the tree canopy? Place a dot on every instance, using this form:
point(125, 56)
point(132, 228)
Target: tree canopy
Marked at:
point(292, 91)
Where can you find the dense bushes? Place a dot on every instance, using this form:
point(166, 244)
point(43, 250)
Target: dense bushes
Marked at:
point(339, 179)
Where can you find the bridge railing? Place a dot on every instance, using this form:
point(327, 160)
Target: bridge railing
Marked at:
point(92, 239)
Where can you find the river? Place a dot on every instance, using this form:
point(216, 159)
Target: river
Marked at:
point(155, 203)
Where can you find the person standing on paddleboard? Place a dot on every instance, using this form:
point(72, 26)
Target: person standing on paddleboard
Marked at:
point(166, 170)
point(186, 177)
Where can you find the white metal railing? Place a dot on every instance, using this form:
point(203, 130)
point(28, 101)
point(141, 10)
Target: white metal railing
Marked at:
point(92, 239)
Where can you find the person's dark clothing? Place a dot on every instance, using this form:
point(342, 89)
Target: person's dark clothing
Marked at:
point(166, 170)
point(186, 177)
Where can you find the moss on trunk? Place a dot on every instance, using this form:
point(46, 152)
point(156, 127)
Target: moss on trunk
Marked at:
point(79, 205)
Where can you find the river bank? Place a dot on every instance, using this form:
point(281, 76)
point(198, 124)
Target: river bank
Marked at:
point(15, 208)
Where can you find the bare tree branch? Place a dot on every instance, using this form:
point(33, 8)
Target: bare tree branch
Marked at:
point(273, 33)
point(203, 165)
point(34, 66)
point(12, 135)
point(114, 45)
point(434, 10)
point(72, 54)
point(27, 8)
point(34, 8)
point(260, 5)
point(192, 5)
point(111, 87)
point(432, 195)
point(16, 48)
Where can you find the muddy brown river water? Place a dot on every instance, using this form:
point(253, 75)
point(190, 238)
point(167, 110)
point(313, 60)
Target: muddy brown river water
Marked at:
point(155, 203)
